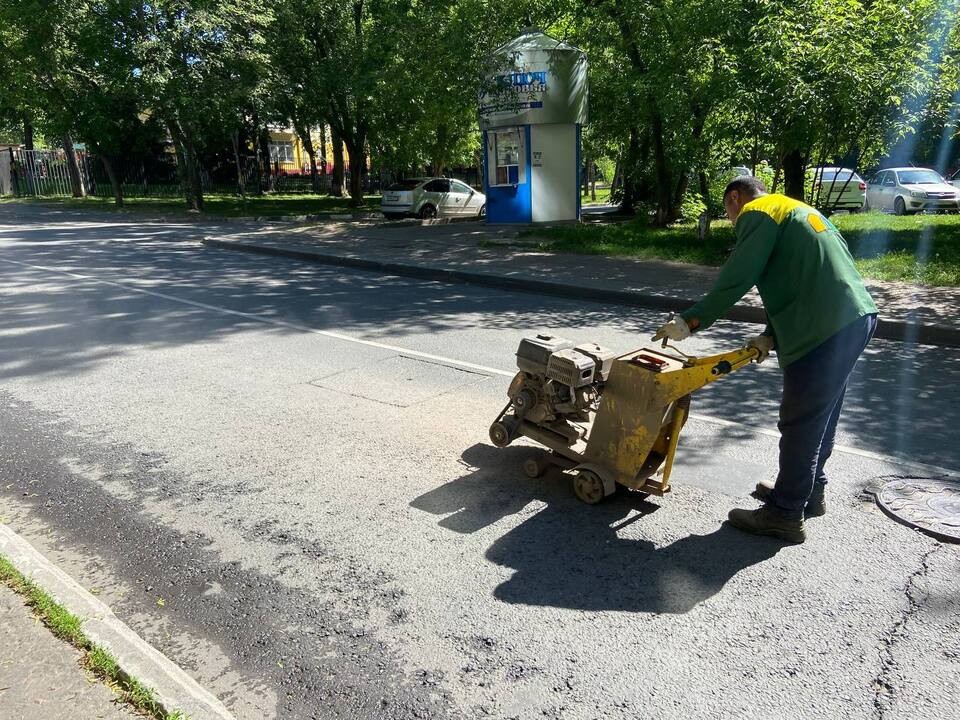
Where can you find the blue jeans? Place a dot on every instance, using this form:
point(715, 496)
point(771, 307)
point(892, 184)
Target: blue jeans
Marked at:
point(813, 390)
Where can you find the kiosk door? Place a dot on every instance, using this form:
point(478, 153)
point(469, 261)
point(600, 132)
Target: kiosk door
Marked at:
point(507, 153)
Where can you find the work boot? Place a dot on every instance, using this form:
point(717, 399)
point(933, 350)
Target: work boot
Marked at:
point(766, 520)
point(816, 504)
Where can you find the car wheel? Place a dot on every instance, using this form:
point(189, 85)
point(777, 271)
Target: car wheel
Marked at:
point(482, 213)
point(427, 212)
point(899, 206)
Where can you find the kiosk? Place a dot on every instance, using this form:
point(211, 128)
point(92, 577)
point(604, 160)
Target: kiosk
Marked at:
point(531, 118)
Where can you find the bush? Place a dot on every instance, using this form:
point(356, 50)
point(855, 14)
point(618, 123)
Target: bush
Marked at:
point(692, 206)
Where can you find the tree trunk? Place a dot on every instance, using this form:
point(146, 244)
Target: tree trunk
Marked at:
point(336, 186)
point(628, 173)
point(679, 191)
point(662, 172)
point(615, 180)
point(195, 179)
point(438, 162)
point(73, 168)
point(323, 153)
point(704, 185)
point(192, 176)
point(303, 132)
point(28, 134)
point(358, 163)
point(257, 155)
point(182, 172)
point(235, 137)
point(187, 165)
point(265, 157)
point(112, 176)
point(793, 174)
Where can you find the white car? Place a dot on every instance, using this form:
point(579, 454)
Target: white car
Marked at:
point(836, 188)
point(432, 197)
point(905, 191)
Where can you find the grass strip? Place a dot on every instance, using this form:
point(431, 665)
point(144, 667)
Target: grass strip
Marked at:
point(918, 249)
point(96, 659)
point(218, 205)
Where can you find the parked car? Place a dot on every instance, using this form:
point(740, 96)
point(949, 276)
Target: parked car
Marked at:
point(910, 190)
point(837, 188)
point(432, 197)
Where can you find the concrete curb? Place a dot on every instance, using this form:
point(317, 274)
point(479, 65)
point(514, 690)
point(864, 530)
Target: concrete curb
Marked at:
point(345, 217)
point(887, 329)
point(173, 688)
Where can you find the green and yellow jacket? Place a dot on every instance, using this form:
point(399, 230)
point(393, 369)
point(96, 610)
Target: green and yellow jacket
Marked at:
point(803, 271)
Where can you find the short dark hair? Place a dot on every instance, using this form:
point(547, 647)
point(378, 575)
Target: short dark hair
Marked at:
point(747, 185)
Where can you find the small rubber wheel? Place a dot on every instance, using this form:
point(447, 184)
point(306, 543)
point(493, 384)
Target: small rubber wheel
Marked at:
point(534, 467)
point(588, 486)
point(500, 434)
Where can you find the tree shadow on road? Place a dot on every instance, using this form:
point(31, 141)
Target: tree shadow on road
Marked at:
point(569, 555)
point(59, 325)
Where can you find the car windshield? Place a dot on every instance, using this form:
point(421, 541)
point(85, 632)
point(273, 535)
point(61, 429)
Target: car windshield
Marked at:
point(918, 177)
point(405, 185)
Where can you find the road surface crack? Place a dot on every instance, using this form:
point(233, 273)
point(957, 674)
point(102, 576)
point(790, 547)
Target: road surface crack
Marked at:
point(887, 683)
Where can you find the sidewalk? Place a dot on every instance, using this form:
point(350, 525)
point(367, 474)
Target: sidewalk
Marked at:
point(40, 675)
point(494, 255)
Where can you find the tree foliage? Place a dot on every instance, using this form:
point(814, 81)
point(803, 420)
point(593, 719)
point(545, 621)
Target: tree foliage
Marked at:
point(680, 89)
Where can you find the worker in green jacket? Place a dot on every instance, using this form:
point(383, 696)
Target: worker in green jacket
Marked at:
point(820, 319)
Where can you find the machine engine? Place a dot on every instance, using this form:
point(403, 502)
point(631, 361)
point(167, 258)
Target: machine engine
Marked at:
point(558, 383)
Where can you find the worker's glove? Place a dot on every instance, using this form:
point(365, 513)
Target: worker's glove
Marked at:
point(763, 343)
point(675, 329)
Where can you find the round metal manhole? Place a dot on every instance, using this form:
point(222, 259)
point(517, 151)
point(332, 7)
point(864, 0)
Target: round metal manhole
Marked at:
point(928, 504)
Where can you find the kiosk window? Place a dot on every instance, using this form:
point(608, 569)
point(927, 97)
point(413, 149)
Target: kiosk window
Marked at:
point(508, 156)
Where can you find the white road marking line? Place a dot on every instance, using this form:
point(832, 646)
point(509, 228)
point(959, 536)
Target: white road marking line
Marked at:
point(269, 321)
point(925, 467)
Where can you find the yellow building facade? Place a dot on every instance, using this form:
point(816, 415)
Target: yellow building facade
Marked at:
point(288, 154)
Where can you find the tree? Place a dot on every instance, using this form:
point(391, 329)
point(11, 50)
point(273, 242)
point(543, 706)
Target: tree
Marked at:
point(199, 63)
point(811, 83)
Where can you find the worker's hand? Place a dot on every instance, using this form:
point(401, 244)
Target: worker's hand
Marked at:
point(763, 343)
point(675, 329)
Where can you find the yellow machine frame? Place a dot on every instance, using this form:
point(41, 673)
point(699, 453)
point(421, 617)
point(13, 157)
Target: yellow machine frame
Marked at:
point(632, 440)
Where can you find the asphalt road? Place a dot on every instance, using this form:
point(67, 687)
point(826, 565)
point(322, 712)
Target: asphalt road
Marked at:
point(294, 460)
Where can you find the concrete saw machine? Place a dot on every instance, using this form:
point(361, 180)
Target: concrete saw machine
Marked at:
point(612, 420)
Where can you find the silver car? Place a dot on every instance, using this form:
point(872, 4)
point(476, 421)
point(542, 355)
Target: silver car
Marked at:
point(905, 191)
point(432, 197)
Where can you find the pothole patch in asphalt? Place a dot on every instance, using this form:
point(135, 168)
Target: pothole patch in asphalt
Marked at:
point(399, 381)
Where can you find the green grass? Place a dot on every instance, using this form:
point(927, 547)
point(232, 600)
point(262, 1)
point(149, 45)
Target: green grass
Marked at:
point(603, 196)
point(223, 205)
point(67, 626)
point(921, 249)
point(678, 243)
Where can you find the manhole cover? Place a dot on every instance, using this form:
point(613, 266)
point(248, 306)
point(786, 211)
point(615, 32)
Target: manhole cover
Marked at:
point(928, 504)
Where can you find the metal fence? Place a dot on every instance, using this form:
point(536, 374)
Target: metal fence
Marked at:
point(44, 173)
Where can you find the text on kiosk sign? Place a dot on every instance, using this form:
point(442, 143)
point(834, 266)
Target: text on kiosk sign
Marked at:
point(524, 81)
